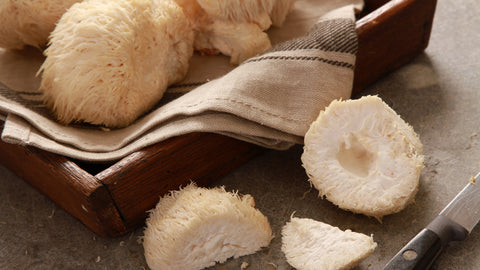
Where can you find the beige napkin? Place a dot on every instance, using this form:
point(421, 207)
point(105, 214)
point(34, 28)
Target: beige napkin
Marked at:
point(269, 100)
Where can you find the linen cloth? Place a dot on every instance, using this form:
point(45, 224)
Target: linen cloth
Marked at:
point(269, 100)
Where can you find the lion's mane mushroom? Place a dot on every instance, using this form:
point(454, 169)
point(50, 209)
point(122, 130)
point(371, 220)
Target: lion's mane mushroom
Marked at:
point(110, 61)
point(234, 27)
point(313, 245)
point(29, 22)
point(363, 157)
point(194, 227)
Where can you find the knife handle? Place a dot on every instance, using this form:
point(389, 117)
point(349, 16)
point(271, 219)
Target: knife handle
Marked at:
point(419, 253)
point(422, 250)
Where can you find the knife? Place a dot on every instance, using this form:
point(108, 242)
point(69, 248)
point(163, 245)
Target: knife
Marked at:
point(454, 223)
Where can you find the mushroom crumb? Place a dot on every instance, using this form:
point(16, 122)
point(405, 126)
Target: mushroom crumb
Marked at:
point(363, 157)
point(195, 227)
point(312, 245)
point(244, 265)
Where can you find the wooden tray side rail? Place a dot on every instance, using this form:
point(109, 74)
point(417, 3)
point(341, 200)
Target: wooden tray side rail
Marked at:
point(137, 182)
point(113, 199)
point(391, 36)
point(73, 189)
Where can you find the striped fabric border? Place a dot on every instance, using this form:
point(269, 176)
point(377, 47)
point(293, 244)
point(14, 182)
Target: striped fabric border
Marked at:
point(333, 35)
point(30, 100)
point(303, 58)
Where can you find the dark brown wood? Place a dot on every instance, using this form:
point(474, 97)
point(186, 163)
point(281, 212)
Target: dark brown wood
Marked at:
point(371, 5)
point(73, 189)
point(112, 199)
point(137, 181)
point(391, 36)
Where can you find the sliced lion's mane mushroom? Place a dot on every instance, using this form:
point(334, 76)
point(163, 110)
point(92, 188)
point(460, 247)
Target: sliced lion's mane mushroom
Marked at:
point(362, 156)
point(193, 228)
point(313, 245)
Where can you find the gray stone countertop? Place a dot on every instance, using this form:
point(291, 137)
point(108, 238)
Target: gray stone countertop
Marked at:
point(438, 94)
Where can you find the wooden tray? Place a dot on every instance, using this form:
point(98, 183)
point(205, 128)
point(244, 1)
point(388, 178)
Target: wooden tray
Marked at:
point(112, 199)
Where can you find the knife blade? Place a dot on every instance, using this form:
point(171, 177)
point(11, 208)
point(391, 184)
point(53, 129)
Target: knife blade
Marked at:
point(453, 223)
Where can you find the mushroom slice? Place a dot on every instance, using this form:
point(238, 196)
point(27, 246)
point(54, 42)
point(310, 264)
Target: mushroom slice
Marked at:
point(29, 22)
point(195, 227)
point(312, 245)
point(363, 157)
point(111, 61)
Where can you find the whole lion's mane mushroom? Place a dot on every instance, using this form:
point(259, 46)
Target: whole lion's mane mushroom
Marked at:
point(234, 27)
point(110, 61)
point(29, 22)
point(363, 157)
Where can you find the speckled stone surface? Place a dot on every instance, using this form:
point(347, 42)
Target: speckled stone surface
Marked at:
point(438, 94)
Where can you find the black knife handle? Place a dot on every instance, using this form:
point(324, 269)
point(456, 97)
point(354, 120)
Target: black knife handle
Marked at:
point(418, 254)
point(422, 250)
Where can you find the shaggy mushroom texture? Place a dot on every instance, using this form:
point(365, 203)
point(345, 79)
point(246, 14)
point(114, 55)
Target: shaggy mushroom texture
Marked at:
point(363, 157)
point(234, 27)
point(110, 61)
point(29, 22)
point(194, 227)
point(314, 245)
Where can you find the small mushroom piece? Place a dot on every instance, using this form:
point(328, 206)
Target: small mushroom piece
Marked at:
point(29, 22)
point(313, 245)
point(363, 157)
point(195, 227)
point(111, 61)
